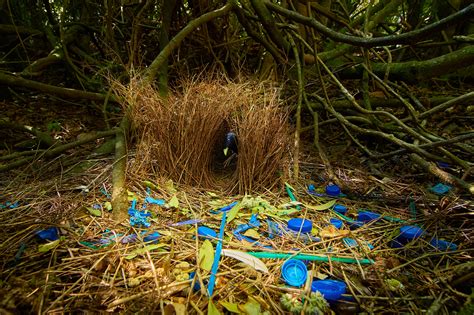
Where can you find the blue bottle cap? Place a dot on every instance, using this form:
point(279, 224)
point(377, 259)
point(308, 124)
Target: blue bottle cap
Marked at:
point(333, 190)
point(297, 223)
point(311, 187)
point(330, 289)
point(367, 216)
point(336, 222)
point(410, 232)
point(206, 232)
point(294, 272)
point(340, 208)
point(443, 245)
point(397, 243)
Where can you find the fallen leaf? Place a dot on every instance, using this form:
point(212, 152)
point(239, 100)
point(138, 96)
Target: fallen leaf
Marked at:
point(108, 206)
point(331, 231)
point(212, 309)
point(252, 233)
point(142, 251)
point(43, 248)
point(252, 307)
point(169, 185)
point(206, 255)
point(174, 202)
point(231, 307)
point(247, 259)
point(94, 212)
point(324, 206)
point(233, 212)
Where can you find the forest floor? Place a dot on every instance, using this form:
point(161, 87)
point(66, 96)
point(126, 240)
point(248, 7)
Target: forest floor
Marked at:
point(62, 252)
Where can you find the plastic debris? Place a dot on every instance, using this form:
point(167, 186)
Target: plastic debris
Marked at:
point(340, 208)
point(367, 216)
point(138, 218)
point(350, 242)
point(294, 272)
point(300, 225)
point(153, 201)
point(50, 234)
point(187, 222)
point(346, 260)
point(407, 234)
point(10, 205)
point(441, 189)
point(206, 232)
point(443, 245)
point(336, 222)
point(333, 190)
point(330, 289)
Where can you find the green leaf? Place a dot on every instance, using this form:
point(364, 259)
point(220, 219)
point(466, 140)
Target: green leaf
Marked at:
point(325, 206)
point(206, 255)
point(174, 202)
point(233, 212)
point(150, 185)
point(213, 195)
point(212, 309)
point(43, 248)
point(94, 212)
point(142, 251)
point(231, 307)
point(108, 206)
point(252, 307)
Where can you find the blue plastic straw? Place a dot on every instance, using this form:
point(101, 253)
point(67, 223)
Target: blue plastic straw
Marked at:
point(217, 256)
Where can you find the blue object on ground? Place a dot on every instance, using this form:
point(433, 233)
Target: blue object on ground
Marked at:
point(217, 255)
point(274, 229)
point(50, 234)
point(300, 225)
point(311, 188)
point(340, 208)
point(367, 216)
point(443, 164)
point(407, 234)
point(153, 201)
point(350, 242)
point(330, 289)
point(333, 190)
point(443, 245)
point(440, 189)
point(206, 232)
point(336, 222)
point(294, 272)
point(228, 207)
point(139, 218)
point(151, 237)
point(192, 221)
point(355, 224)
point(197, 285)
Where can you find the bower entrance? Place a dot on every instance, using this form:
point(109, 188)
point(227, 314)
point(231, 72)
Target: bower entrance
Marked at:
point(182, 137)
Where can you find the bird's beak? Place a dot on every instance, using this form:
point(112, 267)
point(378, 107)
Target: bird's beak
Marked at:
point(225, 151)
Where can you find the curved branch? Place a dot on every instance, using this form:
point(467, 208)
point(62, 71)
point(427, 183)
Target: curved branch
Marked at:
point(12, 80)
point(404, 38)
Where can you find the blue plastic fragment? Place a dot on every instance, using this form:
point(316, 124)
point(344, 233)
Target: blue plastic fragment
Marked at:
point(228, 207)
point(350, 242)
point(443, 164)
point(50, 234)
point(139, 218)
point(294, 272)
point(274, 229)
point(106, 194)
point(153, 201)
point(407, 234)
point(340, 208)
point(206, 232)
point(336, 222)
point(355, 224)
point(440, 189)
point(311, 188)
point(129, 239)
point(330, 289)
point(152, 237)
point(11, 205)
point(443, 245)
point(96, 206)
point(367, 216)
point(197, 285)
point(333, 190)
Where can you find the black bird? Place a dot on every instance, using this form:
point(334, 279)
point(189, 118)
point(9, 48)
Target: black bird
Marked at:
point(230, 143)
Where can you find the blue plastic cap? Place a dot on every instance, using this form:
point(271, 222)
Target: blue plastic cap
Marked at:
point(311, 187)
point(367, 216)
point(294, 272)
point(340, 208)
point(206, 232)
point(336, 222)
point(443, 245)
point(330, 289)
point(298, 224)
point(50, 234)
point(333, 190)
point(410, 232)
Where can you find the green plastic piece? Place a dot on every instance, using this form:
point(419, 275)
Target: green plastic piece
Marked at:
point(345, 260)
